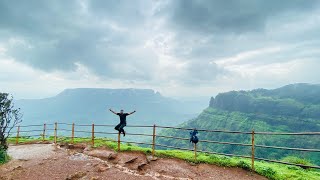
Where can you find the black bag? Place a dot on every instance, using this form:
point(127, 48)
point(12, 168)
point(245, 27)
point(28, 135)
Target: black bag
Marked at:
point(193, 136)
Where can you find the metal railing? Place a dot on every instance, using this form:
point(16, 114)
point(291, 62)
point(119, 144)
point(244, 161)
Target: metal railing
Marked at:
point(154, 136)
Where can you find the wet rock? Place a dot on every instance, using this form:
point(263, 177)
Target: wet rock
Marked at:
point(112, 156)
point(141, 166)
point(62, 145)
point(95, 164)
point(150, 158)
point(76, 175)
point(77, 147)
point(79, 157)
point(131, 160)
point(102, 154)
point(17, 168)
point(102, 168)
point(88, 164)
point(70, 146)
point(88, 148)
point(23, 159)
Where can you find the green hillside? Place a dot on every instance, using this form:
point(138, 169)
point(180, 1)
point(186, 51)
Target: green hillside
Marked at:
point(293, 108)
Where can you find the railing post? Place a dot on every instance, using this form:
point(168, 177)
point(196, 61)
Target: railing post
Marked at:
point(153, 140)
point(44, 132)
point(92, 135)
point(119, 141)
point(55, 132)
point(72, 134)
point(195, 151)
point(18, 134)
point(252, 150)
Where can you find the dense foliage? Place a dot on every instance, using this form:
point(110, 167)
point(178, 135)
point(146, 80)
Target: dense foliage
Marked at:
point(293, 108)
point(3, 156)
point(299, 100)
point(9, 118)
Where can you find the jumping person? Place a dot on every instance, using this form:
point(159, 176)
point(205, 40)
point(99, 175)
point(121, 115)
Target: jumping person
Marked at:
point(123, 121)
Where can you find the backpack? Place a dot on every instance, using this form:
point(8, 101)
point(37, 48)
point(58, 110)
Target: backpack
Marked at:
point(193, 136)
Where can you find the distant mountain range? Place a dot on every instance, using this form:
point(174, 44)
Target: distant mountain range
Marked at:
point(292, 108)
point(88, 105)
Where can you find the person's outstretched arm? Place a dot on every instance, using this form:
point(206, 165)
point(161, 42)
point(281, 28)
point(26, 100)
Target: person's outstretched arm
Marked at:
point(112, 111)
point(132, 112)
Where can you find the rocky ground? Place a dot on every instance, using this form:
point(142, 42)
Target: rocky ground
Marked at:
point(71, 162)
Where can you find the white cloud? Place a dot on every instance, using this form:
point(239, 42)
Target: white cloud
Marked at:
point(244, 56)
point(169, 46)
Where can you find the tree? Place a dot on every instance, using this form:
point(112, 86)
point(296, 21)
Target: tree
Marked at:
point(9, 118)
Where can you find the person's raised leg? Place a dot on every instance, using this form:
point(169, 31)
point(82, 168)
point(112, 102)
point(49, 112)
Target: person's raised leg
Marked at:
point(118, 127)
point(122, 130)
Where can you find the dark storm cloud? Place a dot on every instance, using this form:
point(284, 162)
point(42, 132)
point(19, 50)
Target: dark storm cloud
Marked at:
point(109, 37)
point(210, 16)
point(212, 29)
point(126, 12)
point(54, 35)
point(202, 72)
point(37, 18)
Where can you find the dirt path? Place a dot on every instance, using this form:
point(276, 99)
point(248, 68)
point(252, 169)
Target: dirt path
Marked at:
point(46, 161)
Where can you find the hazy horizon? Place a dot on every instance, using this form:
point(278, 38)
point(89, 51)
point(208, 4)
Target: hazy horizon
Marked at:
point(178, 48)
point(183, 98)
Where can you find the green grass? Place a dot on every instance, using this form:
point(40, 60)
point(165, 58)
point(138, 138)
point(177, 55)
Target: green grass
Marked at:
point(296, 160)
point(270, 170)
point(3, 156)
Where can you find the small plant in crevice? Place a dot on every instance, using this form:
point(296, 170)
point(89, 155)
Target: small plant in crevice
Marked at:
point(244, 165)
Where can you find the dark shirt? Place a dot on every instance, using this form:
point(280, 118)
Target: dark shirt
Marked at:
point(123, 119)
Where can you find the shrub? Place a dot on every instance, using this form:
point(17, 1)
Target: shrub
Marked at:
point(267, 172)
point(296, 160)
point(3, 156)
point(244, 165)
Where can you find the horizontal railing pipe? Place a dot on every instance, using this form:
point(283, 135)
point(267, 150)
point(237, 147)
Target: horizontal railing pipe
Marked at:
point(25, 133)
point(97, 132)
point(287, 148)
point(172, 137)
point(135, 134)
point(230, 143)
point(136, 142)
point(173, 147)
point(204, 130)
point(279, 133)
point(224, 154)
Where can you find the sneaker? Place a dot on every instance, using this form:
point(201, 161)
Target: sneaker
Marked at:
point(124, 133)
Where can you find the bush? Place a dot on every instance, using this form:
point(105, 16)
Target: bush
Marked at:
point(296, 160)
point(244, 165)
point(3, 156)
point(267, 172)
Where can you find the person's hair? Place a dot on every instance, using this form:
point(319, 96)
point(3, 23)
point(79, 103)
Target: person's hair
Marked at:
point(121, 110)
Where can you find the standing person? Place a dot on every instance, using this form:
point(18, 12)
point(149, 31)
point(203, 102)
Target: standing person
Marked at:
point(123, 120)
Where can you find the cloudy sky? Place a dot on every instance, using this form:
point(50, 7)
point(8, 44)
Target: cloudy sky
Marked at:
point(177, 47)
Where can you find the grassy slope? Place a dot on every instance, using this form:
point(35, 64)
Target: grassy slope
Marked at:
point(212, 118)
point(269, 170)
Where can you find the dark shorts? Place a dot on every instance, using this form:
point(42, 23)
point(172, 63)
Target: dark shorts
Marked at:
point(120, 127)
